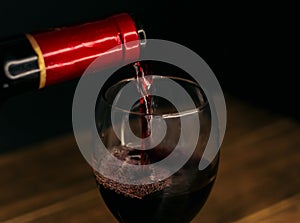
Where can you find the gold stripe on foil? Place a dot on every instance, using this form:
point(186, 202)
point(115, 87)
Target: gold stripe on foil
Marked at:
point(41, 60)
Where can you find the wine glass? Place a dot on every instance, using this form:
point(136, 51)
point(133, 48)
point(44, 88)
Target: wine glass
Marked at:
point(163, 138)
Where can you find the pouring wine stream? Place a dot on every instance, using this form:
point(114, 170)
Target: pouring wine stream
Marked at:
point(143, 84)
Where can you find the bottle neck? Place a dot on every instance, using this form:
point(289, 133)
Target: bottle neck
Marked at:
point(42, 59)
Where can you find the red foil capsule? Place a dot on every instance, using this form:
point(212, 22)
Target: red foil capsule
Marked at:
point(65, 53)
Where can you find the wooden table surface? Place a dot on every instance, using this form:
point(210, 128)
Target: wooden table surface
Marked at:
point(258, 179)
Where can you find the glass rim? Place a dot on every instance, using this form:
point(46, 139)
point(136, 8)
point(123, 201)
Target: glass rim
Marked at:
point(168, 115)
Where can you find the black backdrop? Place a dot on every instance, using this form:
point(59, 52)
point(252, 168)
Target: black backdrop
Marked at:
point(249, 47)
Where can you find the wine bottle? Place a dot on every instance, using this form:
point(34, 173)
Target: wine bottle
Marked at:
point(34, 61)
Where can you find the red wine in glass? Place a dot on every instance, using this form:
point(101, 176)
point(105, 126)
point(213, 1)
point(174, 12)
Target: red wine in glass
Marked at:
point(177, 199)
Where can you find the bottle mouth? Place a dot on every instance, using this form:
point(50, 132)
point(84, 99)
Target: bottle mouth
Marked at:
point(142, 36)
point(139, 28)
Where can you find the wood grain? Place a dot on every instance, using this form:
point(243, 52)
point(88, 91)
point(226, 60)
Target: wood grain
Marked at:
point(258, 179)
point(287, 210)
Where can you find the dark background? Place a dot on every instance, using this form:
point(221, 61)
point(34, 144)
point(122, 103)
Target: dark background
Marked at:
point(251, 48)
